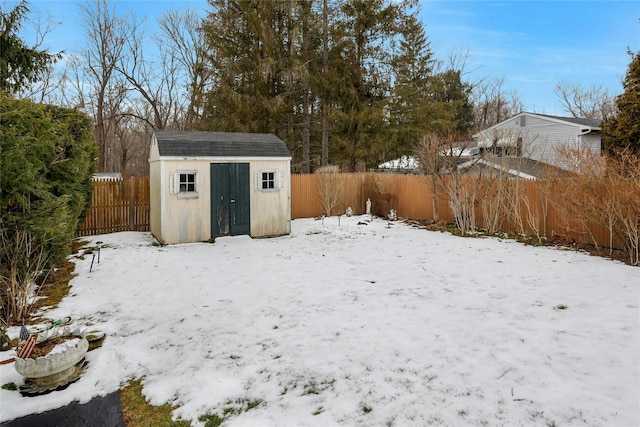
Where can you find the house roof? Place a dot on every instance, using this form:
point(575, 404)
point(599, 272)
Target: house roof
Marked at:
point(594, 123)
point(518, 167)
point(173, 143)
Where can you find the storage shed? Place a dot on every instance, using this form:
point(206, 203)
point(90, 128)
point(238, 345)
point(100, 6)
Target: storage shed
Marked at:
point(209, 184)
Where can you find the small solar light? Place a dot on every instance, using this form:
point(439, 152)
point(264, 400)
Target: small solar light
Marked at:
point(96, 249)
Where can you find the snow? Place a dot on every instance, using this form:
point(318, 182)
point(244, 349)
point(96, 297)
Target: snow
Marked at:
point(62, 347)
point(404, 162)
point(357, 325)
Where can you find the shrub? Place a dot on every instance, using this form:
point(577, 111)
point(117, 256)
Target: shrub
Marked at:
point(329, 188)
point(45, 188)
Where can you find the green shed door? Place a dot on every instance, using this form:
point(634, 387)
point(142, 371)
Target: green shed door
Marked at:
point(230, 209)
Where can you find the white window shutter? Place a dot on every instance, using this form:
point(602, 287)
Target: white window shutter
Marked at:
point(172, 183)
point(197, 183)
point(258, 174)
point(280, 183)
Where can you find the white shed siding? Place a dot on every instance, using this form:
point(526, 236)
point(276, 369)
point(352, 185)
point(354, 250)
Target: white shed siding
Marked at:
point(185, 219)
point(185, 216)
point(155, 190)
point(270, 211)
point(189, 219)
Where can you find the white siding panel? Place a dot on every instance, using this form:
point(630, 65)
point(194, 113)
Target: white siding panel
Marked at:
point(181, 220)
point(155, 191)
point(592, 142)
point(186, 219)
point(270, 210)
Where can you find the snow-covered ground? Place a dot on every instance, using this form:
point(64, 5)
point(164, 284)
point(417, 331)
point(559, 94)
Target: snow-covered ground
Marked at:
point(358, 325)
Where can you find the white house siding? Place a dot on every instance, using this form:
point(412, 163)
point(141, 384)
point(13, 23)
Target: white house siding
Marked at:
point(592, 142)
point(542, 137)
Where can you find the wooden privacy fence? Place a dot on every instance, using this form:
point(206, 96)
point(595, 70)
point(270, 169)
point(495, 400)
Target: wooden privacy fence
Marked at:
point(117, 205)
point(526, 208)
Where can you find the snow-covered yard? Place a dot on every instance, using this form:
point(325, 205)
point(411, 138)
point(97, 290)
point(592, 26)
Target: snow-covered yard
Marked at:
point(358, 325)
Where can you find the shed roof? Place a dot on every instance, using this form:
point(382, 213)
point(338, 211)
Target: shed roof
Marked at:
point(174, 143)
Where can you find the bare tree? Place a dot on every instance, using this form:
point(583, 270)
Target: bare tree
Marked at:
point(156, 82)
point(45, 88)
point(132, 137)
point(443, 158)
point(100, 85)
point(458, 60)
point(492, 104)
point(430, 161)
point(181, 39)
point(593, 102)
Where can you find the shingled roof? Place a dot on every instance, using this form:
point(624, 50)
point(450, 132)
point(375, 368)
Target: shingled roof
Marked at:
point(594, 123)
point(517, 167)
point(173, 143)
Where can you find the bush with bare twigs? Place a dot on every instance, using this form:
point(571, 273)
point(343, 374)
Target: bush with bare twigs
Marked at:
point(605, 190)
point(329, 188)
point(386, 196)
point(440, 158)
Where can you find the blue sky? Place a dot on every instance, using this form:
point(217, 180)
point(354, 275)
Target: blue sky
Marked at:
point(536, 44)
point(532, 44)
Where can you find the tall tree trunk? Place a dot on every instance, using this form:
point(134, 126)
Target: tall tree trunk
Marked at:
point(306, 120)
point(324, 160)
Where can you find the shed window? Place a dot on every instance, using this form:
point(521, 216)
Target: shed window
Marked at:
point(268, 180)
point(184, 184)
point(187, 182)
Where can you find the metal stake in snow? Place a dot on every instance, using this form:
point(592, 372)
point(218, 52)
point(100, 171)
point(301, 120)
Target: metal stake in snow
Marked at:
point(96, 249)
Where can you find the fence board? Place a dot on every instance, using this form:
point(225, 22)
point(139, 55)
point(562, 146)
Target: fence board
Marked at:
point(124, 205)
point(117, 205)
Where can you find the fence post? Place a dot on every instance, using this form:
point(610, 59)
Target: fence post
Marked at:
point(132, 205)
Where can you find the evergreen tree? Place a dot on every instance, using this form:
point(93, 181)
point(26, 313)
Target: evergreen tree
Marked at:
point(20, 65)
point(367, 29)
point(248, 59)
point(289, 68)
point(451, 109)
point(411, 100)
point(622, 130)
point(45, 187)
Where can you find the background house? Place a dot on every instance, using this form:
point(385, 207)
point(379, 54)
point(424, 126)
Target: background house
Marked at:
point(403, 164)
point(540, 137)
point(510, 167)
point(209, 184)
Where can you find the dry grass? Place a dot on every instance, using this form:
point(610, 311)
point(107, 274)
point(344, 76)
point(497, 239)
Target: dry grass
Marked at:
point(56, 286)
point(54, 289)
point(137, 412)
